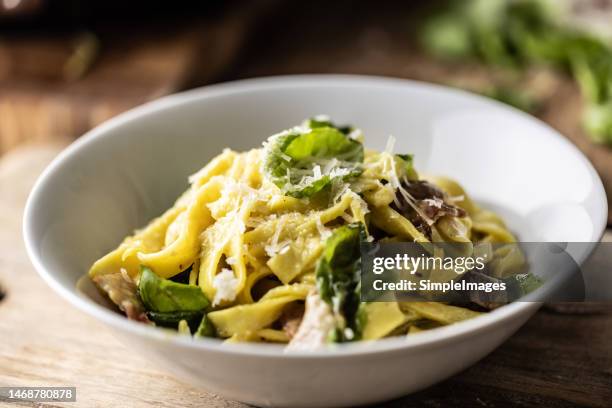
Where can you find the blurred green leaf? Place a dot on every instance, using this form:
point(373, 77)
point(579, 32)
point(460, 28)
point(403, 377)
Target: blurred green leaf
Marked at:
point(523, 32)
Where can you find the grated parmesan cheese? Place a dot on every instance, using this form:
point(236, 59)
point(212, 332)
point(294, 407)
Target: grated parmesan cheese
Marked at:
point(329, 165)
point(347, 218)
point(284, 247)
point(239, 226)
point(339, 172)
point(349, 333)
point(390, 174)
point(316, 172)
point(324, 232)
point(456, 199)
point(390, 145)
point(356, 134)
point(363, 206)
point(235, 194)
point(389, 171)
point(273, 248)
point(226, 286)
point(338, 190)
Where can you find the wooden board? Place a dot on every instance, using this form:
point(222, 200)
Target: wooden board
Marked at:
point(556, 360)
point(39, 103)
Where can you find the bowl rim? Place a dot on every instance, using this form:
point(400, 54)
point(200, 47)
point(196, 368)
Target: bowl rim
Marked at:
point(427, 339)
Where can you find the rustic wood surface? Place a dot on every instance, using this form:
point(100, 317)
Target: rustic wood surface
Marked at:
point(38, 105)
point(555, 360)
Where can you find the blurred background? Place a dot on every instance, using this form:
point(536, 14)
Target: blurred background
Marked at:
point(66, 66)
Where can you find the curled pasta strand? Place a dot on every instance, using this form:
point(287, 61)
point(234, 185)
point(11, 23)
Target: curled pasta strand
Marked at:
point(148, 239)
point(246, 295)
point(177, 256)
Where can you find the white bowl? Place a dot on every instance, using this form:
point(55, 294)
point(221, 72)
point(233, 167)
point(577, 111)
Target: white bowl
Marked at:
point(131, 168)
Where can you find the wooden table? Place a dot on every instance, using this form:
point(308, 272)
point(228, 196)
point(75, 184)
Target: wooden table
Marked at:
point(555, 360)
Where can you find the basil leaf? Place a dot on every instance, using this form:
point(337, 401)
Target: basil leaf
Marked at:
point(522, 284)
point(339, 281)
point(206, 328)
point(407, 162)
point(598, 122)
point(528, 282)
point(172, 319)
point(517, 34)
point(163, 295)
point(303, 161)
point(317, 122)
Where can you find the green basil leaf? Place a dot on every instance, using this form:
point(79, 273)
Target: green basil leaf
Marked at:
point(303, 161)
point(172, 319)
point(163, 295)
point(407, 166)
point(339, 281)
point(522, 284)
point(318, 122)
point(205, 328)
point(516, 34)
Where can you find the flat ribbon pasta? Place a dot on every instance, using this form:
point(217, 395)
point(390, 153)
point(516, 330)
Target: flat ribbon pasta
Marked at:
point(181, 253)
point(245, 319)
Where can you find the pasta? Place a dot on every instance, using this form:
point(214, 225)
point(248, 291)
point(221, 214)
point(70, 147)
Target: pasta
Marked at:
point(261, 245)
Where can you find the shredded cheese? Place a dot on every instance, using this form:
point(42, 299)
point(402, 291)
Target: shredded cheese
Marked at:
point(338, 190)
point(226, 286)
point(273, 248)
point(323, 231)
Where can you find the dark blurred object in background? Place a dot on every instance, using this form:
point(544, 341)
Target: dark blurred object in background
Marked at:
point(71, 13)
point(14, 9)
point(66, 66)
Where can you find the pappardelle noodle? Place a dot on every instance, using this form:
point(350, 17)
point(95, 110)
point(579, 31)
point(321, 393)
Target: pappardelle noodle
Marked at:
point(264, 245)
